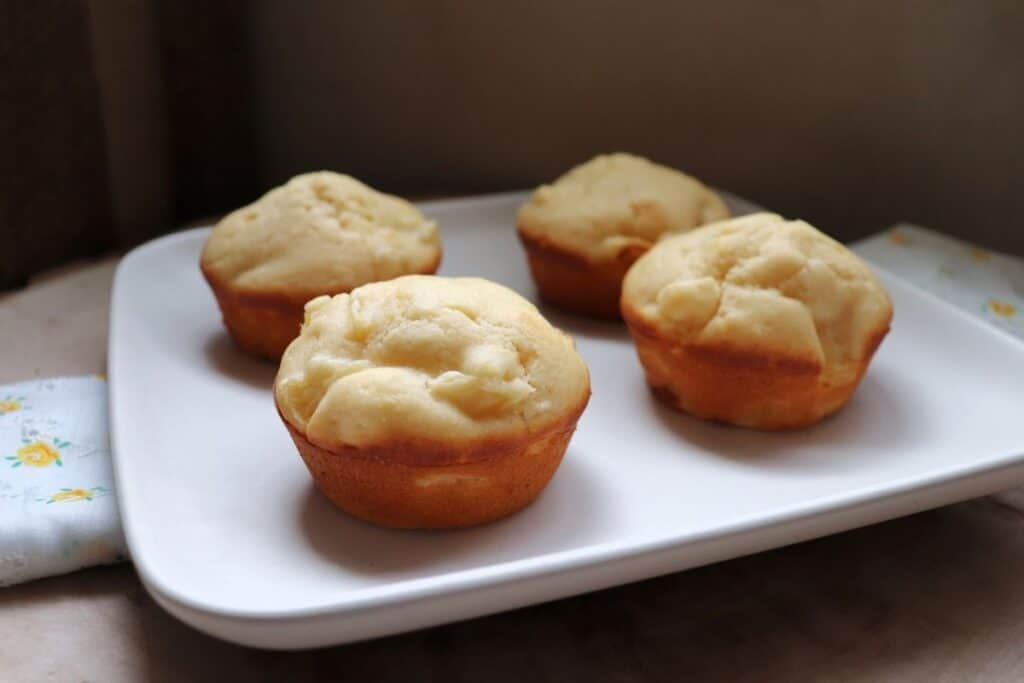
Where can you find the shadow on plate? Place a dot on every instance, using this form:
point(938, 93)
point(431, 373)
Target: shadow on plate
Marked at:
point(875, 421)
point(579, 325)
point(566, 515)
point(230, 361)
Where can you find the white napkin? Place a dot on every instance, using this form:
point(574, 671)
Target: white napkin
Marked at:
point(57, 506)
point(987, 284)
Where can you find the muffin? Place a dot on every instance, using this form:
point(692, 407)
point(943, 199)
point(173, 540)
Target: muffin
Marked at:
point(584, 231)
point(756, 321)
point(430, 402)
point(320, 233)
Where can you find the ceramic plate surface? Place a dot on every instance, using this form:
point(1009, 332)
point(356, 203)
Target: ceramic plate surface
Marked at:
point(228, 533)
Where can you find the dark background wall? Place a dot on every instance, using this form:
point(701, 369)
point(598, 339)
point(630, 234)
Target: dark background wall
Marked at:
point(54, 200)
point(850, 114)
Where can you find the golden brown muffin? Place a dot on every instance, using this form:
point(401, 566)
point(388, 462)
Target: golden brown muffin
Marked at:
point(584, 231)
point(429, 402)
point(756, 321)
point(321, 233)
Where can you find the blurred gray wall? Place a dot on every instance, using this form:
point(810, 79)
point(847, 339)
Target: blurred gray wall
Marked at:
point(852, 114)
point(125, 119)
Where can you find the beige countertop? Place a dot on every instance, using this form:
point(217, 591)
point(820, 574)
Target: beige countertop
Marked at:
point(934, 597)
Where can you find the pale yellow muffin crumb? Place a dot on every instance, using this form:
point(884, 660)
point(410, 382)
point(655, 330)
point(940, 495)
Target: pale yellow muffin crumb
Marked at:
point(424, 358)
point(615, 203)
point(761, 282)
point(319, 233)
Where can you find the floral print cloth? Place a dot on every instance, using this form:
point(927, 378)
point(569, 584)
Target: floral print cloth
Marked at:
point(57, 508)
point(988, 284)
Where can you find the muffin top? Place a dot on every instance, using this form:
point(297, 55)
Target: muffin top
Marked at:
point(760, 286)
point(617, 202)
point(319, 233)
point(427, 359)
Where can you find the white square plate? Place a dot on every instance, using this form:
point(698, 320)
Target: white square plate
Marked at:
point(229, 534)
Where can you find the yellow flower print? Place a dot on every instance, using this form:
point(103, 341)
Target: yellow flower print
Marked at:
point(38, 454)
point(979, 255)
point(898, 238)
point(71, 495)
point(75, 495)
point(10, 404)
point(1002, 308)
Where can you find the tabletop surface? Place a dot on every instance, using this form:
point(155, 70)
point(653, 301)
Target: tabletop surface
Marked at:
point(938, 596)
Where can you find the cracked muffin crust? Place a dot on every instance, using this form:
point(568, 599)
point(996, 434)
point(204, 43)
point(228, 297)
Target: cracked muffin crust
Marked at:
point(756, 321)
point(430, 402)
point(320, 233)
point(584, 231)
